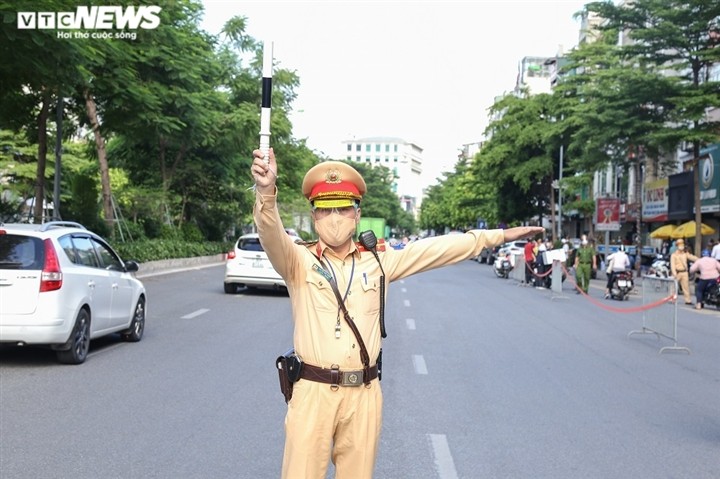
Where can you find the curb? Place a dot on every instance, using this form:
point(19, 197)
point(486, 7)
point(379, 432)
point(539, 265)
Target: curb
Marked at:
point(166, 266)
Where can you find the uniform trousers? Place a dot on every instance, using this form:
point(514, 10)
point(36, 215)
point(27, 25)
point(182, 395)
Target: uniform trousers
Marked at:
point(682, 279)
point(582, 273)
point(341, 425)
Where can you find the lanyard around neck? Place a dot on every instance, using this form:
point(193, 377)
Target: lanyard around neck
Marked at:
point(352, 273)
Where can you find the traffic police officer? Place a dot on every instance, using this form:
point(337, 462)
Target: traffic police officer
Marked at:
point(326, 418)
point(679, 268)
point(584, 260)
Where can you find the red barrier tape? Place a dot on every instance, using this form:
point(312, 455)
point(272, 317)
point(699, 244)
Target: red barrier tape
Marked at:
point(633, 309)
point(538, 275)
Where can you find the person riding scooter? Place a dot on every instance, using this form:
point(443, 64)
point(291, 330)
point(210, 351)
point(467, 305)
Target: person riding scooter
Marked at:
point(616, 263)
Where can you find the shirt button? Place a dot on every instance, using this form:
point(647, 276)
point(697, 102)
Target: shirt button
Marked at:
point(353, 346)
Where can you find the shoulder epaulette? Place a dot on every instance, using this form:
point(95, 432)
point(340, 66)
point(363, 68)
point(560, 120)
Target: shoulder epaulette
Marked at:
point(380, 246)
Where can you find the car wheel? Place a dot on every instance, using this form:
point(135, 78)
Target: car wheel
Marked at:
point(230, 288)
point(134, 333)
point(79, 341)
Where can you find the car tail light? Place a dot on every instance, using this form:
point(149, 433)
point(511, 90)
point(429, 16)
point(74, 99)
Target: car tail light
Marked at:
point(231, 255)
point(51, 277)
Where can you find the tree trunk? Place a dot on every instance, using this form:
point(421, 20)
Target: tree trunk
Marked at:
point(39, 207)
point(108, 214)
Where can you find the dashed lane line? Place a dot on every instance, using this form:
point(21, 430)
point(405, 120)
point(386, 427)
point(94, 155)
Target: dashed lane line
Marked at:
point(443, 458)
point(419, 363)
point(195, 314)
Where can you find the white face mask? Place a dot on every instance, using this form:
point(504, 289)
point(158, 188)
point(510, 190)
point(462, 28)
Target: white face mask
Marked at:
point(335, 229)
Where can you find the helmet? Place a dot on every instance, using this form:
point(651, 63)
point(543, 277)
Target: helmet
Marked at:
point(705, 252)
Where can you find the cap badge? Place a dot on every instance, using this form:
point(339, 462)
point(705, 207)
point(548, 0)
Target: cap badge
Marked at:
point(333, 176)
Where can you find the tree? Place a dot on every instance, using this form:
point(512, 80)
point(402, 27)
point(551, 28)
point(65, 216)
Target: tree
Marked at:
point(518, 161)
point(31, 80)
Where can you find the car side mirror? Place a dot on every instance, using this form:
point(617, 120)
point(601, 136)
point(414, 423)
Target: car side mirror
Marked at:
point(131, 266)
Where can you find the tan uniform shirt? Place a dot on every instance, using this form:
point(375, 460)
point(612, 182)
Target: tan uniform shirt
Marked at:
point(679, 261)
point(314, 305)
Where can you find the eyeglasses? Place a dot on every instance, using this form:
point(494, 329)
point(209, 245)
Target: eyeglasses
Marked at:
point(347, 211)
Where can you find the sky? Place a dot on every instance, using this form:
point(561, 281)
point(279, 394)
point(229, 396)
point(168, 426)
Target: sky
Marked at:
point(424, 71)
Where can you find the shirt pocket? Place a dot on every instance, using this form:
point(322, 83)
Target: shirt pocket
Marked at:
point(321, 295)
point(370, 295)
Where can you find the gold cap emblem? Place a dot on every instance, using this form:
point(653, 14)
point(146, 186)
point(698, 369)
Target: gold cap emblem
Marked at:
point(333, 176)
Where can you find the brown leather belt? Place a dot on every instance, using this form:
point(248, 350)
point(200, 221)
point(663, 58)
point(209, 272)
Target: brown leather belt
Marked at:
point(337, 377)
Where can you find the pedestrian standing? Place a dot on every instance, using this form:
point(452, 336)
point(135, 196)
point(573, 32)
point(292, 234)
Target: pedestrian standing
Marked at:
point(679, 268)
point(715, 252)
point(529, 254)
point(335, 409)
point(585, 263)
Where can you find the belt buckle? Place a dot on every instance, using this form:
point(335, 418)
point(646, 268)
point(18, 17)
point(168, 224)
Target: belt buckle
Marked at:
point(351, 378)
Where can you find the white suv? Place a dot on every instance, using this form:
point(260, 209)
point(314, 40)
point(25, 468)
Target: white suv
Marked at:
point(62, 285)
point(248, 266)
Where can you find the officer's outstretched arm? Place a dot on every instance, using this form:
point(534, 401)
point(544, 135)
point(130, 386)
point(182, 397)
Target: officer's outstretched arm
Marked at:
point(519, 232)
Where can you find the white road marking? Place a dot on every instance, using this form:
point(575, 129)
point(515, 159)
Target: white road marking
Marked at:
point(410, 323)
point(443, 459)
point(195, 313)
point(419, 363)
point(406, 302)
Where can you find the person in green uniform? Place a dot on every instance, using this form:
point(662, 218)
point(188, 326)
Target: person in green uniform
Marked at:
point(585, 263)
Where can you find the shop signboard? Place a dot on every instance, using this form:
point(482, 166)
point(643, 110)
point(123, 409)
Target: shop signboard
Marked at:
point(709, 165)
point(655, 201)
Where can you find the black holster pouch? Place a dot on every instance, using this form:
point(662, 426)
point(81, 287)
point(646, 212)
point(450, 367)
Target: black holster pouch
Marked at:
point(289, 366)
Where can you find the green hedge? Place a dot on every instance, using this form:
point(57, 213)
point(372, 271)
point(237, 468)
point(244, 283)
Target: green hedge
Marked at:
point(152, 250)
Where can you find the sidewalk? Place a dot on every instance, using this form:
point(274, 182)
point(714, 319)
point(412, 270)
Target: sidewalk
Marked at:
point(167, 266)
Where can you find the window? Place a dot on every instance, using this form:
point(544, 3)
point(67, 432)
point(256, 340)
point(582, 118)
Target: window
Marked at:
point(357, 147)
point(357, 158)
point(377, 159)
point(395, 148)
point(348, 158)
point(349, 147)
point(21, 252)
point(85, 252)
point(367, 158)
point(387, 160)
point(367, 147)
point(250, 244)
point(67, 246)
point(387, 148)
point(108, 259)
point(395, 159)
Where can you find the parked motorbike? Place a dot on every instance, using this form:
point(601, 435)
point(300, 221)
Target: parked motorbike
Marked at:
point(660, 267)
point(712, 295)
point(503, 265)
point(622, 285)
